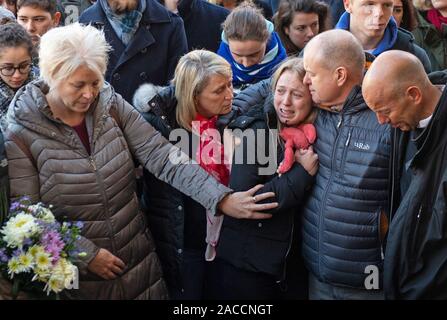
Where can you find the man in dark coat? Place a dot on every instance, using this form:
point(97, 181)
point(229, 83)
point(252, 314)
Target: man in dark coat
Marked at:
point(203, 23)
point(416, 253)
point(146, 38)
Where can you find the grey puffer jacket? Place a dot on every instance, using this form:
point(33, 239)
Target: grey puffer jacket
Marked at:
point(99, 189)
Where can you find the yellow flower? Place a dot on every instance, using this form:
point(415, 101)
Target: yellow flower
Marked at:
point(34, 250)
point(43, 261)
point(13, 267)
point(26, 261)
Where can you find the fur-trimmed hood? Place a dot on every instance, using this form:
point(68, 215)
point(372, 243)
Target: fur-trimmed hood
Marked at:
point(144, 94)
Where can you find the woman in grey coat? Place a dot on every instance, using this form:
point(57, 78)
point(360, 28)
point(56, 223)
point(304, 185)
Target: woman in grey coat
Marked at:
point(71, 141)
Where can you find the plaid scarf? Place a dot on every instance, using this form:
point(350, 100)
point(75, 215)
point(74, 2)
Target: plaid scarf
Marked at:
point(210, 156)
point(7, 93)
point(125, 24)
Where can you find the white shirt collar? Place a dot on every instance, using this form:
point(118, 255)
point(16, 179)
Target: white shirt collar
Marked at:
point(424, 122)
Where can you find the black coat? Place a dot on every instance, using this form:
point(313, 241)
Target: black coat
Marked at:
point(151, 56)
point(263, 245)
point(203, 23)
point(416, 253)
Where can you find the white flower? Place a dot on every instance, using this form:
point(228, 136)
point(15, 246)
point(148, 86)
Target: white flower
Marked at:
point(55, 284)
point(13, 267)
point(26, 261)
point(46, 215)
point(43, 260)
point(18, 228)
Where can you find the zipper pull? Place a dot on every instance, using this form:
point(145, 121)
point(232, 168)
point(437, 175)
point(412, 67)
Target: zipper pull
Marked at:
point(349, 139)
point(92, 162)
point(339, 123)
point(420, 212)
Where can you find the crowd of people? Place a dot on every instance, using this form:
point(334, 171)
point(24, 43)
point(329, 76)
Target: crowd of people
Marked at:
point(234, 150)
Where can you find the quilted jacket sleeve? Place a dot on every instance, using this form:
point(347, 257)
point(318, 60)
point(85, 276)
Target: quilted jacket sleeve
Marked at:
point(24, 180)
point(162, 159)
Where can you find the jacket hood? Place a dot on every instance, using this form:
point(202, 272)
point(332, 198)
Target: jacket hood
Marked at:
point(389, 36)
point(144, 94)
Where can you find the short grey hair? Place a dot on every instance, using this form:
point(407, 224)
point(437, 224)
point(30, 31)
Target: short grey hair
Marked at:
point(339, 48)
point(64, 49)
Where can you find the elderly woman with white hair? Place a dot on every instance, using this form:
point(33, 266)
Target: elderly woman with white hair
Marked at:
point(71, 141)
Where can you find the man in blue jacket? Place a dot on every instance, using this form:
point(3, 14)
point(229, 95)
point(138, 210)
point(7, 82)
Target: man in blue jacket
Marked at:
point(343, 216)
point(372, 23)
point(146, 38)
point(416, 252)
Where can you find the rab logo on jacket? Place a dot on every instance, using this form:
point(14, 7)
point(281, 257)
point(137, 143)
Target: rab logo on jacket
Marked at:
point(361, 145)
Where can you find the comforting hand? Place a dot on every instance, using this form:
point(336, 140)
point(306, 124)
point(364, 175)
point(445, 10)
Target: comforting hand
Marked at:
point(242, 205)
point(308, 159)
point(106, 265)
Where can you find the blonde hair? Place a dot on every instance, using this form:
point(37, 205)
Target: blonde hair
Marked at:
point(64, 49)
point(191, 77)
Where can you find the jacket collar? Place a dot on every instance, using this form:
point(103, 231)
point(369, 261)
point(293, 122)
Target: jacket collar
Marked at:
point(185, 8)
point(432, 135)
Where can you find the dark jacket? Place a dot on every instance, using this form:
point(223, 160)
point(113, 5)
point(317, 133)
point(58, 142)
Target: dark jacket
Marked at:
point(151, 56)
point(342, 217)
point(433, 41)
point(203, 22)
point(403, 150)
point(416, 255)
point(176, 220)
point(262, 245)
point(405, 42)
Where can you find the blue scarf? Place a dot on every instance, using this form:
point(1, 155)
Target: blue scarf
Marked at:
point(125, 24)
point(275, 54)
point(389, 36)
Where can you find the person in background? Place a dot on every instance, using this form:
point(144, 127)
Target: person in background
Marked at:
point(250, 45)
point(371, 22)
point(266, 9)
point(405, 14)
point(16, 70)
point(147, 41)
point(6, 16)
point(74, 148)
point(203, 23)
point(431, 33)
point(298, 21)
point(37, 17)
point(11, 5)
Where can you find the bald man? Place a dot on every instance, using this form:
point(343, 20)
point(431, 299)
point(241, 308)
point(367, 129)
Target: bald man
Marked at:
point(341, 231)
point(397, 89)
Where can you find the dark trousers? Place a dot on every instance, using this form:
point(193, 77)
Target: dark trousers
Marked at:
point(231, 283)
point(196, 274)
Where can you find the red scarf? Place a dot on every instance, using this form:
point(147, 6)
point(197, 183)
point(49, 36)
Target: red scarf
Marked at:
point(210, 153)
point(436, 18)
point(210, 156)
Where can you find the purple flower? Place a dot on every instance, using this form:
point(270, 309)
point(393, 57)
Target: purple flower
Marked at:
point(27, 242)
point(17, 253)
point(53, 244)
point(79, 224)
point(3, 256)
point(14, 206)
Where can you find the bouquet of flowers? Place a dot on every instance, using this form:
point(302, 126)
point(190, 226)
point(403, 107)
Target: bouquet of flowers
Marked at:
point(36, 251)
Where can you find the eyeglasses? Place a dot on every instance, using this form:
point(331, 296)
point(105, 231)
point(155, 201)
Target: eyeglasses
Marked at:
point(23, 68)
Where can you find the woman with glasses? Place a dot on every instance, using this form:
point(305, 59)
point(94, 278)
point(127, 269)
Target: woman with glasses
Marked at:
point(15, 62)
